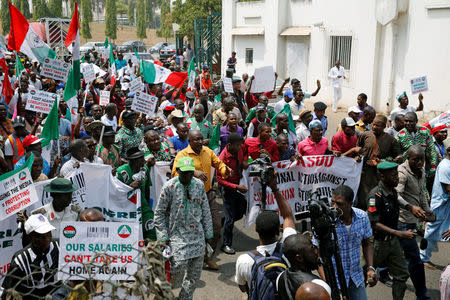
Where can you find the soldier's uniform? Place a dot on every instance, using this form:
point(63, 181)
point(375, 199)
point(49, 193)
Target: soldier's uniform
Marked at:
point(383, 207)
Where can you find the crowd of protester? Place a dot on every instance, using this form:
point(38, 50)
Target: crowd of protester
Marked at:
point(405, 180)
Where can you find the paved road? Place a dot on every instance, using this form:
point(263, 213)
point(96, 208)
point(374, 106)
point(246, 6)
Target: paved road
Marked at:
point(220, 284)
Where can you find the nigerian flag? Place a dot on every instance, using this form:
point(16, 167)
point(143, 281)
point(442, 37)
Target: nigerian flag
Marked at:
point(73, 44)
point(18, 66)
point(214, 142)
point(191, 74)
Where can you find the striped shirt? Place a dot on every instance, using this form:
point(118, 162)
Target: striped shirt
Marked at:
point(33, 274)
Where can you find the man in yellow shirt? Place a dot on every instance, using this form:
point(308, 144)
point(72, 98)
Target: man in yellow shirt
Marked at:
point(204, 158)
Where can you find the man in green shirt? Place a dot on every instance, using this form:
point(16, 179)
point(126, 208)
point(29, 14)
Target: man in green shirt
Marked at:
point(136, 174)
point(269, 110)
point(200, 123)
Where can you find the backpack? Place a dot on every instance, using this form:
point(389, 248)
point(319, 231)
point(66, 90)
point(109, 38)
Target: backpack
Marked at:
point(265, 271)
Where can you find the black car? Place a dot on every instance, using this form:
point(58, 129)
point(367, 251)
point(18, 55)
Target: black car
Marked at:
point(131, 46)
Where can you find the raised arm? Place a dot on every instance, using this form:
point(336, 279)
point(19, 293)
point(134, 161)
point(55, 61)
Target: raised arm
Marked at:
point(318, 88)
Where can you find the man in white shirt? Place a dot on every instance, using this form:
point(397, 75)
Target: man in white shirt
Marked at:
point(109, 118)
point(403, 107)
point(337, 76)
point(288, 96)
point(302, 131)
point(34, 81)
point(78, 150)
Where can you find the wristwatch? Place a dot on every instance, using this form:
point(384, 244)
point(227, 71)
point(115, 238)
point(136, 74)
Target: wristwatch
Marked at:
point(371, 268)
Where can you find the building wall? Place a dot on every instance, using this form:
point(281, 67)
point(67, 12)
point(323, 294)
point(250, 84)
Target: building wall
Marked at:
point(383, 60)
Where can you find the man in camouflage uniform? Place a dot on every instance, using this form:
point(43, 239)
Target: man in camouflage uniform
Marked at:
point(183, 222)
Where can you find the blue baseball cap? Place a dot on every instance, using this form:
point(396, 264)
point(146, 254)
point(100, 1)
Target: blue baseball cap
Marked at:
point(289, 94)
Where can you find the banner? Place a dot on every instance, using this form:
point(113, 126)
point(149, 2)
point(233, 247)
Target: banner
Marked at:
point(136, 85)
point(17, 191)
point(227, 85)
point(88, 73)
point(160, 173)
point(98, 250)
point(144, 103)
point(40, 101)
point(56, 69)
point(298, 180)
point(104, 97)
point(264, 80)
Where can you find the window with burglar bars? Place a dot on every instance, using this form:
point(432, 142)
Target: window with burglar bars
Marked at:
point(248, 55)
point(341, 49)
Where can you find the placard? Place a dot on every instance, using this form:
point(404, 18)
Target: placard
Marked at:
point(136, 85)
point(56, 69)
point(227, 85)
point(419, 84)
point(16, 191)
point(264, 80)
point(98, 250)
point(88, 73)
point(144, 103)
point(104, 97)
point(40, 101)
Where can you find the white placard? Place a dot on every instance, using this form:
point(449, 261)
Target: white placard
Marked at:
point(56, 69)
point(88, 73)
point(136, 85)
point(40, 101)
point(144, 103)
point(228, 85)
point(264, 80)
point(104, 97)
point(419, 84)
point(16, 191)
point(98, 250)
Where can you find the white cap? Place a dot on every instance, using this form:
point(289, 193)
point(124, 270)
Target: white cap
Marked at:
point(348, 122)
point(38, 223)
point(354, 109)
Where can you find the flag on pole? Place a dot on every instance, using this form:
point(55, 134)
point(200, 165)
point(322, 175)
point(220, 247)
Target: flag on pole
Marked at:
point(136, 54)
point(24, 39)
point(154, 73)
point(214, 142)
point(73, 44)
point(6, 88)
point(287, 110)
point(112, 62)
point(51, 127)
point(191, 74)
point(18, 66)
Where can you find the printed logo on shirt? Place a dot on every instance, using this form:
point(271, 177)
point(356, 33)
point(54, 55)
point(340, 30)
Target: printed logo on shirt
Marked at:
point(372, 205)
point(401, 134)
point(69, 231)
point(149, 225)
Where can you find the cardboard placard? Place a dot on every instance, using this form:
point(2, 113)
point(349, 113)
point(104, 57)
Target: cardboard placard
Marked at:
point(419, 84)
point(144, 103)
point(56, 69)
point(104, 97)
point(227, 85)
point(264, 80)
point(88, 73)
point(40, 101)
point(136, 85)
point(98, 250)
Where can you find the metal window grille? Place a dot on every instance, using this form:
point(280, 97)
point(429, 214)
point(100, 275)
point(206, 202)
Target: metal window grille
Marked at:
point(341, 49)
point(248, 55)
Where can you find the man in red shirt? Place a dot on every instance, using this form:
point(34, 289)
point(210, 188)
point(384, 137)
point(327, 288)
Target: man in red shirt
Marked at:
point(234, 201)
point(345, 140)
point(262, 144)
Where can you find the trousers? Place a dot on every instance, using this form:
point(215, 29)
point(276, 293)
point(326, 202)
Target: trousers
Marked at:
point(356, 292)
point(415, 264)
point(186, 273)
point(390, 254)
point(216, 218)
point(337, 94)
point(235, 207)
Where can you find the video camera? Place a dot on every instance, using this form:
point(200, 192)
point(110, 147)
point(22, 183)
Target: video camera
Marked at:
point(323, 222)
point(262, 168)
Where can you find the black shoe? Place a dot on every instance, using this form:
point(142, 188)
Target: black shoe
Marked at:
point(385, 278)
point(228, 250)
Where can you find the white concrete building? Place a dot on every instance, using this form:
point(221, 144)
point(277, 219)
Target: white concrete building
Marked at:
point(383, 44)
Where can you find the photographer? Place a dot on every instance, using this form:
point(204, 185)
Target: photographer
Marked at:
point(268, 229)
point(353, 231)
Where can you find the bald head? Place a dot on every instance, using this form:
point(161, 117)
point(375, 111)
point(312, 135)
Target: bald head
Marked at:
point(416, 150)
point(91, 215)
point(311, 291)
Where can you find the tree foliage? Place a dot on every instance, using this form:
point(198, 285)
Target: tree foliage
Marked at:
point(55, 8)
point(130, 13)
point(121, 7)
point(40, 9)
point(5, 17)
point(23, 6)
point(166, 20)
point(111, 19)
point(140, 22)
point(185, 13)
point(150, 6)
point(85, 11)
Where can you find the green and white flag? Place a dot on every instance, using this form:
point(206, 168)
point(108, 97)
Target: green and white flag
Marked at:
point(191, 74)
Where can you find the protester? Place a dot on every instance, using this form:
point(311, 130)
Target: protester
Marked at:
point(183, 222)
point(107, 151)
point(14, 149)
point(176, 117)
point(287, 152)
point(353, 231)
point(235, 204)
point(287, 98)
point(363, 125)
point(180, 141)
point(315, 144)
point(337, 75)
point(319, 114)
point(6, 126)
point(252, 112)
point(79, 151)
point(110, 118)
point(220, 115)
point(345, 141)
point(302, 131)
point(129, 135)
point(399, 124)
point(262, 144)
point(155, 148)
point(230, 127)
point(198, 122)
point(33, 144)
point(403, 107)
point(34, 263)
point(252, 130)
point(232, 61)
point(361, 100)
point(440, 135)
point(355, 113)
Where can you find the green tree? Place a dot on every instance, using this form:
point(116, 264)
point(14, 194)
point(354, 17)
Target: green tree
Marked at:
point(5, 17)
point(85, 29)
point(23, 6)
point(140, 23)
point(40, 9)
point(149, 12)
point(185, 13)
point(111, 19)
point(166, 20)
point(130, 13)
point(89, 14)
point(55, 7)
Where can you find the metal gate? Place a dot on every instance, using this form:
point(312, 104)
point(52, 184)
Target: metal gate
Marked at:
point(56, 30)
point(208, 42)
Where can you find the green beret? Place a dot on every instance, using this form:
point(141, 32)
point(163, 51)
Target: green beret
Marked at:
point(386, 165)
